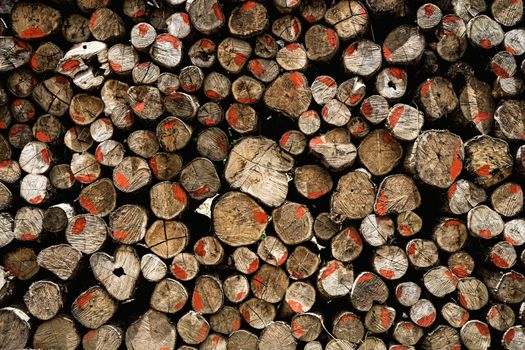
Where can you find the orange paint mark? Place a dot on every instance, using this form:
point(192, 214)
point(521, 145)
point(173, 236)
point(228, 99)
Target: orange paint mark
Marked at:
point(493, 313)
point(425, 88)
point(45, 156)
point(332, 38)
point(218, 12)
point(395, 115)
point(239, 59)
point(429, 10)
point(296, 28)
point(89, 335)
point(168, 38)
point(297, 330)
point(88, 178)
point(236, 324)
point(33, 62)
point(179, 194)
point(200, 250)
point(120, 235)
point(499, 71)
point(485, 234)
point(139, 13)
point(386, 273)
point(464, 318)
point(78, 226)
point(248, 5)
point(463, 300)
point(317, 194)
point(3, 125)
point(354, 236)
point(121, 180)
point(208, 44)
point(499, 261)
point(515, 277)
point(257, 68)
point(299, 212)
point(253, 266)
point(381, 204)
point(99, 156)
point(197, 302)
point(282, 259)
point(257, 283)
point(509, 336)
point(179, 272)
point(36, 200)
point(405, 230)
point(41, 136)
point(27, 237)
point(426, 321)
point(386, 318)
point(260, 216)
point(452, 222)
point(330, 269)
point(292, 47)
point(239, 296)
point(88, 205)
point(460, 272)
point(297, 79)
point(83, 299)
point(481, 117)
point(203, 332)
point(411, 249)
point(295, 306)
point(316, 141)
point(483, 170)
point(485, 43)
point(233, 115)
point(515, 188)
point(366, 109)
point(364, 278)
point(329, 82)
point(71, 65)
point(387, 53)
point(284, 138)
point(5, 163)
point(143, 30)
point(510, 240)
point(32, 33)
point(201, 191)
point(397, 73)
point(213, 94)
point(247, 100)
point(482, 329)
point(139, 107)
point(170, 124)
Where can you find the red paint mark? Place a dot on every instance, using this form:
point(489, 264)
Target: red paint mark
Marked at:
point(284, 138)
point(316, 141)
point(34, 62)
point(247, 100)
point(197, 302)
point(32, 33)
point(239, 59)
point(86, 178)
point(233, 115)
point(297, 330)
point(411, 249)
point(397, 73)
point(386, 318)
point(499, 71)
point(329, 82)
point(93, 20)
point(499, 261)
point(139, 107)
point(218, 12)
point(282, 259)
point(18, 102)
point(387, 53)
point(143, 29)
point(317, 194)
point(330, 269)
point(386, 273)
point(364, 278)
point(200, 250)
point(179, 194)
point(13, 269)
point(460, 272)
point(236, 324)
point(41, 136)
point(213, 94)
point(485, 234)
point(207, 44)
point(381, 203)
point(515, 277)
point(299, 212)
point(333, 40)
point(481, 117)
point(79, 226)
point(260, 216)
point(354, 99)
point(16, 129)
point(139, 13)
point(45, 156)
point(257, 68)
point(292, 47)
point(425, 88)
point(83, 299)
point(253, 266)
point(429, 10)
point(366, 109)
point(71, 65)
point(426, 321)
point(168, 38)
point(464, 318)
point(354, 236)
point(462, 300)
point(493, 312)
point(3, 125)
point(515, 188)
point(399, 292)
point(296, 28)
point(89, 335)
point(88, 204)
point(296, 79)
point(170, 124)
point(452, 222)
point(179, 272)
point(351, 49)
point(509, 336)
point(482, 329)
point(239, 296)
point(203, 332)
point(395, 115)
point(248, 5)
point(120, 235)
point(405, 230)
point(483, 170)
point(121, 180)
point(201, 191)
point(510, 240)
point(27, 237)
point(310, 18)
point(485, 43)
point(5, 163)
point(295, 306)
point(99, 156)
point(257, 283)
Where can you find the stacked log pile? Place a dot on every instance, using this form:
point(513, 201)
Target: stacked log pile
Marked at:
point(273, 175)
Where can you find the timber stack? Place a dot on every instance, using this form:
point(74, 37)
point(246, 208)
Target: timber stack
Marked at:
point(273, 175)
